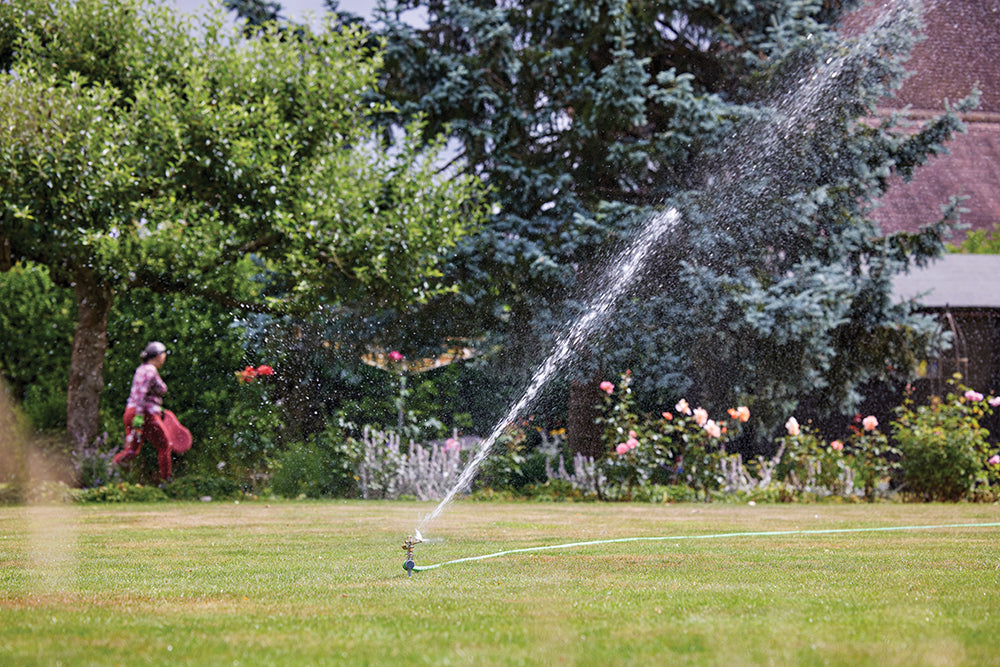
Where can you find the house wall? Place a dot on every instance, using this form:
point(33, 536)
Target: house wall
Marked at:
point(982, 335)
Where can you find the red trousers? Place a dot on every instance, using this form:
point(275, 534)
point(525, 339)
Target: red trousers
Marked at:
point(152, 431)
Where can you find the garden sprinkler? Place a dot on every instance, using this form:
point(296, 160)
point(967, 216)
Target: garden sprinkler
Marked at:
point(408, 548)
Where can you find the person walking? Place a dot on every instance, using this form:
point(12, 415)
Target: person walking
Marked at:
point(146, 420)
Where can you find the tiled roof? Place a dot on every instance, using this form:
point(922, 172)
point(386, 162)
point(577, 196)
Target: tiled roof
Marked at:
point(961, 50)
point(971, 169)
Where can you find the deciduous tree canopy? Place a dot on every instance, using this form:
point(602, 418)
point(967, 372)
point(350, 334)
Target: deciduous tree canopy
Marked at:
point(138, 150)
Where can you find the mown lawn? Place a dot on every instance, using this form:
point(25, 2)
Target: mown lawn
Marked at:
point(319, 583)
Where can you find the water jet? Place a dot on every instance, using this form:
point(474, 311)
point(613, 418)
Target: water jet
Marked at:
point(759, 148)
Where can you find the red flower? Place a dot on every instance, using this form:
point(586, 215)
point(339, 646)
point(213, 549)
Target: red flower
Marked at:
point(396, 356)
point(248, 374)
point(265, 370)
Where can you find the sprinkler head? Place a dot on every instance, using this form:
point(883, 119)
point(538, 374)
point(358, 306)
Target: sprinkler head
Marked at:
point(408, 545)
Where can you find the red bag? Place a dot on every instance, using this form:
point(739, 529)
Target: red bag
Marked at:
point(177, 435)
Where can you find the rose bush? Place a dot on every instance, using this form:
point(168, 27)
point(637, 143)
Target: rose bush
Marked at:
point(945, 450)
point(684, 447)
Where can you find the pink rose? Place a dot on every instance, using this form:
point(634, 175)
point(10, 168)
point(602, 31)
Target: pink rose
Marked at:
point(994, 460)
point(700, 416)
point(837, 446)
point(632, 443)
point(713, 428)
point(792, 426)
point(973, 396)
point(607, 387)
point(622, 448)
point(683, 407)
point(994, 401)
point(870, 423)
point(396, 356)
point(451, 444)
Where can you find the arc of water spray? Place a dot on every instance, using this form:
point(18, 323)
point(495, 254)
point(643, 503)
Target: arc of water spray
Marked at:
point(799, 103)
point(628, 265)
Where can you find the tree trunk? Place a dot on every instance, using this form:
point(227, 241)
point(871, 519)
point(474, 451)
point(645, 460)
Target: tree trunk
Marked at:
point(583, 433)
point(86, 368)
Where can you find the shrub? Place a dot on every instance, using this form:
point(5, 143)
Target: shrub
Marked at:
point(504, 467)
point(380, 463)
point(36, 334)
point(253, 424)
point(321, 467)
point(872, 457)
point(123, 492)
point(587, 475)
point(942, 444)
point(11, 493)
point(196, 487)
point(556, 490)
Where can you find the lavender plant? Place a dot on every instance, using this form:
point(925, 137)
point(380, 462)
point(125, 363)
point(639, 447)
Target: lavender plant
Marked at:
point(426, 472)
point(380, 464)
point(811, 465)
point(587, 476)
point(429, 473)
point(92, 463)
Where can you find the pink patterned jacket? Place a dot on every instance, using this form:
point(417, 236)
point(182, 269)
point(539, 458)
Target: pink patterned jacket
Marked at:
point(147, 392)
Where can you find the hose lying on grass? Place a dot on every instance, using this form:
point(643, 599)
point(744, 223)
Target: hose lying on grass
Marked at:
point(664, 538)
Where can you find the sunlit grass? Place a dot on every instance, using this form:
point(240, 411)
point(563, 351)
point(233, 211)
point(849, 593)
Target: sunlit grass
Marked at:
point(322, 583)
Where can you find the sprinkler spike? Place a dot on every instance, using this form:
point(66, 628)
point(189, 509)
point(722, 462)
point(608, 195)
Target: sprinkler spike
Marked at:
point(408, 545)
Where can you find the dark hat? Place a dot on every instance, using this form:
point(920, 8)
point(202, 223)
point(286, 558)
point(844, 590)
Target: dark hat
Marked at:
point(154, 349)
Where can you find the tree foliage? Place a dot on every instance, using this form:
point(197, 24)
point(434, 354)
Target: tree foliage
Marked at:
point(756, 120)
point(140, 151)
point(980, 241)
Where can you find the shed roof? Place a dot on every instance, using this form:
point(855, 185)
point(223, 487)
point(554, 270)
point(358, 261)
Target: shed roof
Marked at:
point(955, 281)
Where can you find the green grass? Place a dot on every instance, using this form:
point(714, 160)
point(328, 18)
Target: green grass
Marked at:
point(313, 583)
